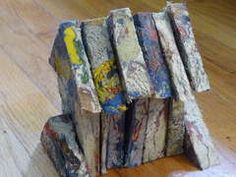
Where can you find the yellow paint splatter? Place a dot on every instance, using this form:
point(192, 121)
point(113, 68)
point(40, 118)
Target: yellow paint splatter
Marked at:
point(106, 88)
point(71, 49)
point(122, 108)
point(101, 71)
point(62, 69)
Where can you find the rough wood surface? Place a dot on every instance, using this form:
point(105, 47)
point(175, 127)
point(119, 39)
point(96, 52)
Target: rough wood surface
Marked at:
point(60, 142)
point(178, 75)
point(175, 128)
point(155, 138)
point(29, 92)
point(187, 46)
point(130, 57)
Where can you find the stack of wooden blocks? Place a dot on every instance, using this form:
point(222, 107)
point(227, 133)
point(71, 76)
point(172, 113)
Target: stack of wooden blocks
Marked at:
point(126, 84)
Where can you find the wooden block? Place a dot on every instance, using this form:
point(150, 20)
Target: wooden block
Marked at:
point(115, 144)
point(103, 64)
point(149, 41)
point(70, 62)
point(198, 144)
point(112, 141)
point(130, 57)
point(136, 120)
point(88, 131)
point(175, 128)
point(178, 75)
point(155, 138)
point(59, 141)
point(68, 59)
point(105, 121)
point(108, 86)
point(187, 46)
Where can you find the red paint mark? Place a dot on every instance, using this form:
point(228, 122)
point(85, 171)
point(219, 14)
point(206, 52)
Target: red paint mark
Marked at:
point(126, 30)
point(182, 31)
point(50, 132)
point(154, 64)
point(136, 131)
point(153, 34)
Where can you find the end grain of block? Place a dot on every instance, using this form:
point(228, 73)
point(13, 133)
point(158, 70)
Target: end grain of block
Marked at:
point(179, 77)
point(130, 57)
point(187, 46)
point(59, 141)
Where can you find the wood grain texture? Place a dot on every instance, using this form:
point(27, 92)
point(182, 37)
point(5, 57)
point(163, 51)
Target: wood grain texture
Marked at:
point(29, 94)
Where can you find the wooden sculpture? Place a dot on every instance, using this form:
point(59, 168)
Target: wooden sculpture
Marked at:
point(126, 84)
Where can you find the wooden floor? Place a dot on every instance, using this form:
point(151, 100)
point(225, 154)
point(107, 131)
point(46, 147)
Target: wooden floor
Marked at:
point(28, 87)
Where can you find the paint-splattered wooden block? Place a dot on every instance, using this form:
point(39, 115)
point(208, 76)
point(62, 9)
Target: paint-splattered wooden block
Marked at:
point(187, 46)
point(108, 85)
point(103, 64)
point(149, 41)
point(175, 128)
point(130, 57)
point(59, 141)
point(74, 79)
point(155, 138)
point(178, 75)
point(105, 123)
point(69, 60)
point(135, 129)
point(115, 144)
point(88, 131)
point(112, 141)
point(112, 152)
point(198, 144)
